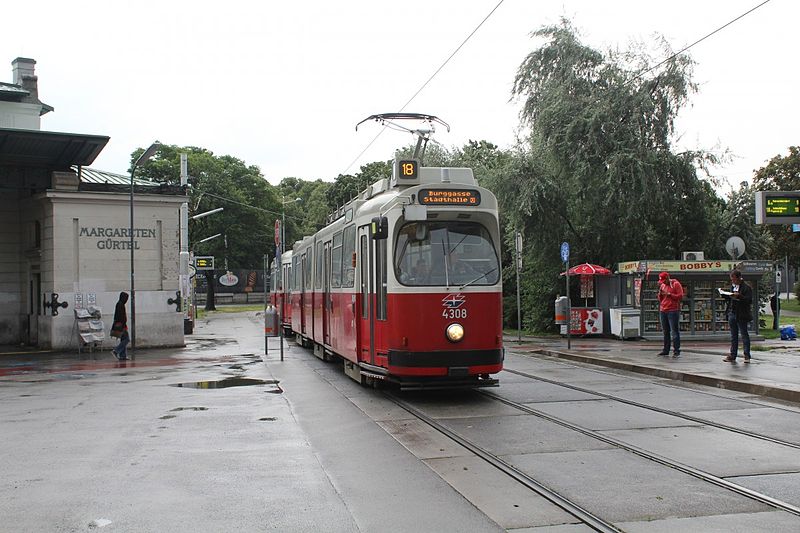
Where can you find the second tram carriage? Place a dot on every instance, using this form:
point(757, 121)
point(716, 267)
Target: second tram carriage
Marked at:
point(405, 284)
point(279, 291)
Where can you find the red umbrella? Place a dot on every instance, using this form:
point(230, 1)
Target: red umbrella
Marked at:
point(587, 269)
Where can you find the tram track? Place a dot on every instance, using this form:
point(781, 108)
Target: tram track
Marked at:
point(676, 414)
point(665, 461)
point(586, 516)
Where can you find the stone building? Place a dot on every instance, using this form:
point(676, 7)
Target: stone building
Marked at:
point(65, 232)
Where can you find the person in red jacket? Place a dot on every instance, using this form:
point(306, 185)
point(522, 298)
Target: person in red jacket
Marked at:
point(670, 294)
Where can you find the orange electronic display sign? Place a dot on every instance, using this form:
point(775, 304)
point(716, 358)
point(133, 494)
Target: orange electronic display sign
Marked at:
point(408, 169)
point(464, 197)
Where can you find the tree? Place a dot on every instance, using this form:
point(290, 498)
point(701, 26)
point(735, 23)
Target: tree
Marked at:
point(738, 218)
point(250, 202)
point(347, 186)
point(597, 169)
point(782, 173)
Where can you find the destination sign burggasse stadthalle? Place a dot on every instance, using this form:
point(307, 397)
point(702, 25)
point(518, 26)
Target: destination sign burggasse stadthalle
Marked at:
point(464, 197)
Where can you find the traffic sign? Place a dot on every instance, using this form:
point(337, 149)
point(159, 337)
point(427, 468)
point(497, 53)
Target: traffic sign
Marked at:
point(205, 262)
point(565, 251)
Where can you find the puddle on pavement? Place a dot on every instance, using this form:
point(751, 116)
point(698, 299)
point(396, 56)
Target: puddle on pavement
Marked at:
point(227, 382)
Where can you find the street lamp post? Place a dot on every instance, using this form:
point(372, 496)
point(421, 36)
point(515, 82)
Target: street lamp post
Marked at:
point(147, 154)
point(279, 253)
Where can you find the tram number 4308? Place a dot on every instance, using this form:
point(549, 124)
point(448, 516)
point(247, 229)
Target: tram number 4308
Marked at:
point(454, 313)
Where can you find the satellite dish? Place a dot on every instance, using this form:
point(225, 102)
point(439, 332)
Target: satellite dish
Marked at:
point(735, 247)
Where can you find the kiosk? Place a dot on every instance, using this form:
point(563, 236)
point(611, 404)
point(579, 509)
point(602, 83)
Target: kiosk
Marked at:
point(702, 309)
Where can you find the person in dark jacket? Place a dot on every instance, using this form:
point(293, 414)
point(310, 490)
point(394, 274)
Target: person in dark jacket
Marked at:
point(739, 311)
point(773, 305)
point(121, 324)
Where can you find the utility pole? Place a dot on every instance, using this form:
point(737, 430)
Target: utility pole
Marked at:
point(188, 321)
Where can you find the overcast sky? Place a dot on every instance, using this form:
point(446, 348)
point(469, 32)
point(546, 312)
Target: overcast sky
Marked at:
point(281, 85)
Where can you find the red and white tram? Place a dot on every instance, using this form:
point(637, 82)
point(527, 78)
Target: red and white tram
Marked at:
point(405, 284)
point(280, 293)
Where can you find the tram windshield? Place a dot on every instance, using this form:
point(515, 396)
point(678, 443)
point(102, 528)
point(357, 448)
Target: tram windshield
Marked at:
point(446, 252)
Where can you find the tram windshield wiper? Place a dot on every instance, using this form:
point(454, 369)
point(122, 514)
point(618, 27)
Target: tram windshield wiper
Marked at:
point(484, 275)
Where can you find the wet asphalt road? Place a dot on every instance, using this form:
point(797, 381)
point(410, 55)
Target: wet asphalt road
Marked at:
point(93, 444)
point(210, 438)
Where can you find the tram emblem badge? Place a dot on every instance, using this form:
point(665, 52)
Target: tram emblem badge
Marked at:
point(453, 301)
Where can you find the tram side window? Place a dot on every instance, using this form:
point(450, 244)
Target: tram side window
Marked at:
point(348, 249)
point(336, 261)
point(318, 257)
point(306, 281)
point(307, 269)
point(295, 270)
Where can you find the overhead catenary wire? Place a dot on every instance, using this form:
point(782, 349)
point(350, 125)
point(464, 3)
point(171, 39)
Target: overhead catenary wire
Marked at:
point(698, 41)
point(446, 61)
point(458, 48)
point(271, 212)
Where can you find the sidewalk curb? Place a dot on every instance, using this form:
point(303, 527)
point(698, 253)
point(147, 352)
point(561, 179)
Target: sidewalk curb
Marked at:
point(700, 379)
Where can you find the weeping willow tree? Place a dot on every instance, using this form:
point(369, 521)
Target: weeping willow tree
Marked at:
point(597, 167)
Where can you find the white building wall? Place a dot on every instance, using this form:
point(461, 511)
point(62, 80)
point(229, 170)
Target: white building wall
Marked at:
point(88, 234)
point(20, 116)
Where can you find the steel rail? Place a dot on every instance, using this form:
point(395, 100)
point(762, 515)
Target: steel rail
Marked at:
point(686, 469)
point(659, 410)
point(585, 516)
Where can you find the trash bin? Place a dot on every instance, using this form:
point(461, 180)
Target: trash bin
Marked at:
point(271, 321)
point(561, 310)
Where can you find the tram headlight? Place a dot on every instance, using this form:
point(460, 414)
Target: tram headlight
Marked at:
point(455, 332)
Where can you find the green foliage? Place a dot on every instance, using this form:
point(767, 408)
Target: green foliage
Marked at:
point(597, 169)
point(250, 203)
point(306, 215)
point(347, 186)
point(737, 217)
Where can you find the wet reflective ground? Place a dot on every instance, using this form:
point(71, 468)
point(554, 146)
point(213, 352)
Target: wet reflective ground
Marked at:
point(57, 366)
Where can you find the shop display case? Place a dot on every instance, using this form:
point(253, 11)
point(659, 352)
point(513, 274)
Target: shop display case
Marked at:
point(702, 312)
point(652, 323)
point(702, 308)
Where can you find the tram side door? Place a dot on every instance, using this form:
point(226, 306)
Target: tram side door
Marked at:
point(303, 289)
point(366, 285)
point(327, 301)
